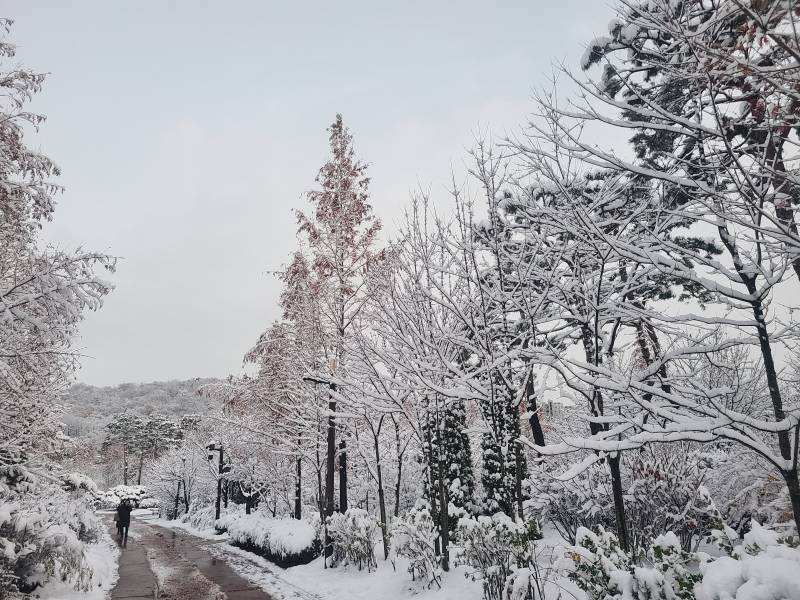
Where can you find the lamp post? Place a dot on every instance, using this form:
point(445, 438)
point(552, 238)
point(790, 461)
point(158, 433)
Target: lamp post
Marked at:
point(214, 447)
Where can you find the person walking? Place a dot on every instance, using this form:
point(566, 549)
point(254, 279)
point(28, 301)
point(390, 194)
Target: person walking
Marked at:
point(124, 520)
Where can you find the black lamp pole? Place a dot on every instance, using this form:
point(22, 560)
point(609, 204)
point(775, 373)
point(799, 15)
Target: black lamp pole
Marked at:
point(218, 448)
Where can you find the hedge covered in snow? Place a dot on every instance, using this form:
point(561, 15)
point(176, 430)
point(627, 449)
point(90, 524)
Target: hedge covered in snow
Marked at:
point(286, 542)
point(138, 494)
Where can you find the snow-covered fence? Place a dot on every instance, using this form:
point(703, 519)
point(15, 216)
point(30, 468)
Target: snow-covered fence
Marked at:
point(286, 542)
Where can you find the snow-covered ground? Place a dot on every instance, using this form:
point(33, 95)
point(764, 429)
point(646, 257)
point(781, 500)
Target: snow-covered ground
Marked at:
point(103, 558)
point(312, 581)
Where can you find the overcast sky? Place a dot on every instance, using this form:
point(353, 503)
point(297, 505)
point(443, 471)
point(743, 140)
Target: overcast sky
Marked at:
point(187, 131)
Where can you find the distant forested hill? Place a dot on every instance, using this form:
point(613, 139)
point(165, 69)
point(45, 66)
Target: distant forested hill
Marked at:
point(89, 408)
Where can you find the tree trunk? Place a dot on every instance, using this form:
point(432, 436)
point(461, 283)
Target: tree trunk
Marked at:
point(444, 518)
point(432, 468)
point(125, 466)
point(794, 493)
point(533, 411)
point(342, 475)
point(518, 480)
point(596, 408)
point(399, 468)
point(141, 464)
point(619, 501)
point(381, 498)
point(329, 467)
point(177, 499)
point(217, 507)
point(298, 490)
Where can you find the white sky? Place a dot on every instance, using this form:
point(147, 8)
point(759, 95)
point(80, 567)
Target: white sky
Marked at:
point(187, 131)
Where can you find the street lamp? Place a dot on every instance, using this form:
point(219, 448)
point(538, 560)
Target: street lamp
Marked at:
point(214, 447)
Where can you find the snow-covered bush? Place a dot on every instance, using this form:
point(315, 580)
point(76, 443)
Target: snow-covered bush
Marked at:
point(44, 528)
point(138, 494)
point(662, 494)
point(583, 501)
point(495, 546)
point(286, 542)
point(353, 536)
point(414, 538)
point(746, 488)
point(602, 569)
point(762, 565)
point(203, 517)
point(665, 495)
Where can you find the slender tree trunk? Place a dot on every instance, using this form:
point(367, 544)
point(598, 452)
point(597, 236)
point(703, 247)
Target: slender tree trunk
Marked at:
point(596, 408)
point(186, 498)
point(381, 497)
point(329, 467)
point(399, 467)
point(342, 475)
point(784, 437)
point(298, 490)
point(518, 481)
point(141, 464)
point(125, 466)
point(793, 485)
point(444, 517)
point(177, 499)
point(432, 469)
point(217, 507)
point(533, 411)
point(619, 501)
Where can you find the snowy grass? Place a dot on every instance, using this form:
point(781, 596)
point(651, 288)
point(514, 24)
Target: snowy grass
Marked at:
point(103, 557)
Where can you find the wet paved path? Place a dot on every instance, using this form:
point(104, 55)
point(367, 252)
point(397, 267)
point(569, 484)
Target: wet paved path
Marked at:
point(184, 569)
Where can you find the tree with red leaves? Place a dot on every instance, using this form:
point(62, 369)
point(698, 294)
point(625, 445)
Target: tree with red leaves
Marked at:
point(341, 233)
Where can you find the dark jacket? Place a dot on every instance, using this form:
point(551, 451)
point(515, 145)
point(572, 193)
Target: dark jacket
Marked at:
point(124, 515)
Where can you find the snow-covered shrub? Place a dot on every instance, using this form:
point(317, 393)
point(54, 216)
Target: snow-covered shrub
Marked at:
point(138, 494)
point(353, 537)
point(78, 482)
point(602, 569)
point(747, 489)
point(203, 517)
point(414, 537)
point(764, 566)
point(286, 542)
point(495, 546)
point(665, 495)
point(44, 528)
point(583, 501)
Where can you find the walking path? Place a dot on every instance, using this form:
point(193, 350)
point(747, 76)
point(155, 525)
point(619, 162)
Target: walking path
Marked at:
point(164, 564)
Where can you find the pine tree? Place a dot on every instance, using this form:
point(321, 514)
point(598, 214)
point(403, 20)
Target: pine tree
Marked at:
point(460, 478)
